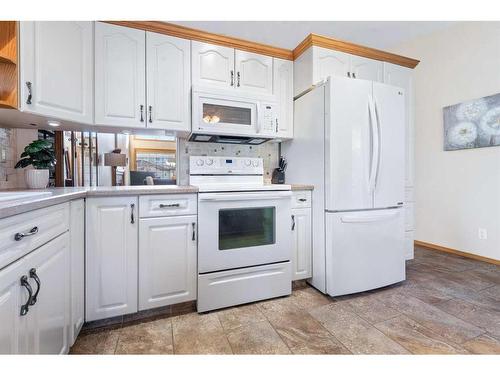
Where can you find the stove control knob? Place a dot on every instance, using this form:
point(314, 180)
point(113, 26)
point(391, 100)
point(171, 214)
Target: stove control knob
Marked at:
point(255, 163)
point(210, 161)
point(248, 162)
point(199, 162)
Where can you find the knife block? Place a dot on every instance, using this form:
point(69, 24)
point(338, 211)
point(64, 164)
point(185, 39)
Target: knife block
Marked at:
point(278, 177)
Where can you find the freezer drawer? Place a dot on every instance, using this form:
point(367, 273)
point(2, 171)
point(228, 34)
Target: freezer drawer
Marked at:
point(364, 250)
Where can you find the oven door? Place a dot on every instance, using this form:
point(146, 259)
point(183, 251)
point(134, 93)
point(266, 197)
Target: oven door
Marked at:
point(219, 114)
point(243, 229)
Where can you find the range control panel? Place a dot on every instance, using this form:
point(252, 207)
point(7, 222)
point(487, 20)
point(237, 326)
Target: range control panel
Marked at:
point(222, 165)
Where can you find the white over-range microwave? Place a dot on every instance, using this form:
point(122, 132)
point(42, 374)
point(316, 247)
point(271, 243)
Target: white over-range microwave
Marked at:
point(221, 116)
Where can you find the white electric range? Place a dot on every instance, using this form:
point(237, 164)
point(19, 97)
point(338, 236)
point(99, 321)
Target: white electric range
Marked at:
point(244, 232)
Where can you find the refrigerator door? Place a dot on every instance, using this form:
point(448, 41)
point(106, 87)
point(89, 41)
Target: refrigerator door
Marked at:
point(364, 250)
point(388, 187)
point(348, 142)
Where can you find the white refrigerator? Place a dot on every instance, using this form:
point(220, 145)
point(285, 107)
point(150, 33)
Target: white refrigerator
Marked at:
point(349, 143)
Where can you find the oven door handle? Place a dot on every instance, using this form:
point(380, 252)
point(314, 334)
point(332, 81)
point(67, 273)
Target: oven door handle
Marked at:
point(245, 197)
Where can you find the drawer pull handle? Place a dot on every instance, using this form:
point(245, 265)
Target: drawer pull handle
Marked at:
point(19, 236)
point(163, 205)
point(28, 100)
point(132, 209)
point(35, 277)
point(194, 231)
point(293, 222)
point(26, 284)
point(302, 200)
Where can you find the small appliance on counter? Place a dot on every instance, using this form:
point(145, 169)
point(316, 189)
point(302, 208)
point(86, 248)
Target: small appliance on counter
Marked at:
point(279, 173)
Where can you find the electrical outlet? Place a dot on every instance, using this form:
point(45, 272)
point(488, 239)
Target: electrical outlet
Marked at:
point(482, 233)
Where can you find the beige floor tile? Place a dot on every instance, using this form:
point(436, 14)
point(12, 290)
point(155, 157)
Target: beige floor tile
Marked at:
point(257, 338)
point(442, 323)
point(309, 298)
point(486, 274)
point(153, 337)
point(416, 338)
point(483, 344)
point(355, 333)
point(235, 317)
point(300, 331)
point(103, 342)
point(199, 334)
point(493, 292)
point(426, 293)
point(370, 308)
point(484, 318)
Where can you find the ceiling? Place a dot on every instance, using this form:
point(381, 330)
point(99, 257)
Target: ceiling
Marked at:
point(288, 34)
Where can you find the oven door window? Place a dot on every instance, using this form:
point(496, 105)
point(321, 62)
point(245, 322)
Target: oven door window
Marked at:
point(246, 227)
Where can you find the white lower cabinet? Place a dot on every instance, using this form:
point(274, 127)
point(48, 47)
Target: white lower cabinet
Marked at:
point(77, 276)
point(111, 257)
point(167, 260)
point(35, 301)
point(302, 243)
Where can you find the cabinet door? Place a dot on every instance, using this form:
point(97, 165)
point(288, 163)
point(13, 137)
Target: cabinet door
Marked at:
point(212, 65)
point(12, 296)
point(120, 84)
point(363, 68)
point(168, 82)
point(167, 261)
point(327, 62)
point(77, 255)
point(254, 72)
point(302, 244)
point(49, 317)
point(403, 77)
point(57, 65)
point(111, 257)
point(283, 90)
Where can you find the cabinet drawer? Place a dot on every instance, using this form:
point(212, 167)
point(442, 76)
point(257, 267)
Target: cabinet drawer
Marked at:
point(301, 199)
point(44, 224)
point(168, 205)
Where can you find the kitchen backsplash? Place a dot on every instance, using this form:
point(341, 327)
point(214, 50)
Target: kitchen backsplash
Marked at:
point(8, 175)
point(269, 152)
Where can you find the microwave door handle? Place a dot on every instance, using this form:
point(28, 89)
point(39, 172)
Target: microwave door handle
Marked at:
point(259, 124)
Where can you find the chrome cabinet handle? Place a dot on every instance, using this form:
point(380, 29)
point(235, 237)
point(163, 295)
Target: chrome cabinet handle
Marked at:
point(26, 284)
point(162, 205)
point(293, 222)
point(302, 200)
point(150, 113)
point(132, 208)
point(35, 277)
point(238, 79)
point(232, 77)
point(194, 231)
point(28, 85)
point(349, 74)
point(353, 75)
point(276, 125)
point(141, 108)
point(19, 236)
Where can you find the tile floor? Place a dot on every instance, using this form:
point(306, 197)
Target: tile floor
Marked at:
point(447, 305)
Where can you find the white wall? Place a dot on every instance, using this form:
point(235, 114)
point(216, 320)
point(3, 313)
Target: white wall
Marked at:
point(457, 192)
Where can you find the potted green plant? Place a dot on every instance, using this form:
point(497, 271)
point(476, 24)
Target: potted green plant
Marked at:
point(39, 154)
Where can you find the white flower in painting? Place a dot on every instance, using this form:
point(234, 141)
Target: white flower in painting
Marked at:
point(471, 111)
point(462, 134)
point(490, 122)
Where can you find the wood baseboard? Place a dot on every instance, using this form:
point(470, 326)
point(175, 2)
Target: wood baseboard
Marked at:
point(432, 246)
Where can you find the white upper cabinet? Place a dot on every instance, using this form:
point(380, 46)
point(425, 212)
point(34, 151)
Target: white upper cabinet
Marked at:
point(111, 257)
point(120, 79)
point(327, 62)
point(254, 72)
point(403, 77)
point(168, 82)
point(283, 90)
point(56, 71)
point(212, 65)
point(363, 68)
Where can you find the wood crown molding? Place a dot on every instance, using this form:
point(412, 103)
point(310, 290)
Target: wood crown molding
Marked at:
point(354, 49)
point(203, 36)
point(432, 246)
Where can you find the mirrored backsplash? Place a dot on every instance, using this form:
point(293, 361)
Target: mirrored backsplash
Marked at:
point(269, 152)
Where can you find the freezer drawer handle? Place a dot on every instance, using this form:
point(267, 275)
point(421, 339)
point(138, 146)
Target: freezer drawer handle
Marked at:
point(26, 284)
point(19, 236)
point(34, 276)
point(367, 219)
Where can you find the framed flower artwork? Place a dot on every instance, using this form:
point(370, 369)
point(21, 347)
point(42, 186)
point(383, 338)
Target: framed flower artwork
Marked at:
point(472, 124)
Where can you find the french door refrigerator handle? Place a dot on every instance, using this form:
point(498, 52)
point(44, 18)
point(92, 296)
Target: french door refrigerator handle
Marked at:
point(374, 145)
point(379, 141)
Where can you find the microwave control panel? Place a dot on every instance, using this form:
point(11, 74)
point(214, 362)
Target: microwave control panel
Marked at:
point(269, 118)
